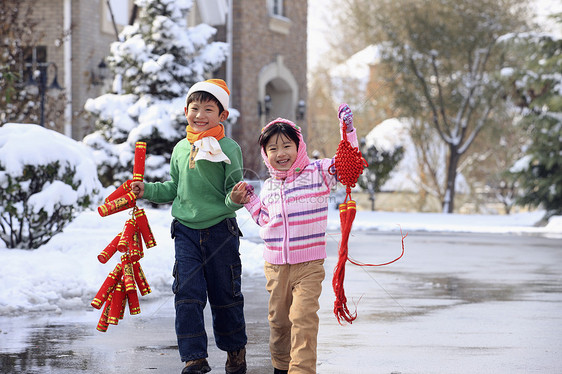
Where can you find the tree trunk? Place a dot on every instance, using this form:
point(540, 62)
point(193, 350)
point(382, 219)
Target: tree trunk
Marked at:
point(448, 204)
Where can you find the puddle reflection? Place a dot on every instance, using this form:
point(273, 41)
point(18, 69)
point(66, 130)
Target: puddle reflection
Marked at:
point(47, 347)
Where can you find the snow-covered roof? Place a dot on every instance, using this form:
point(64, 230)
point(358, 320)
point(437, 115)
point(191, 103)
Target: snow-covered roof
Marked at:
point(357, 66)
point(395, 132)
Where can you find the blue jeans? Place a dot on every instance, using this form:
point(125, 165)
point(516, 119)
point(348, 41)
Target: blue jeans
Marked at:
point(208, 265)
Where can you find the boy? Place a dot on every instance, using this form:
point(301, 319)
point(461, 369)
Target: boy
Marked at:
point(203, 169)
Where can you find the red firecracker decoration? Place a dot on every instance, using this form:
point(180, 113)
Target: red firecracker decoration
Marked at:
point(107, 287)
point(103, 324)
point(122, 285)
point(121, 203)
point(140, 279)
point(123, 189)
point(138, 166)
point(144, 228)
point(349, 164)
point(117, 307)
point(135, 250)
point(110, 250)
point(126, 239)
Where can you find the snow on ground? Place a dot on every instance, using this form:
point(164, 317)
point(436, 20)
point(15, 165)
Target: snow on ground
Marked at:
point(64, 274)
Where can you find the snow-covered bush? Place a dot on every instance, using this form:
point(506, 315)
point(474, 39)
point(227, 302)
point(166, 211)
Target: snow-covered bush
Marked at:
point(46, 178)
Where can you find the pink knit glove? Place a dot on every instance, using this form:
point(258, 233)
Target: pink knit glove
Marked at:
point(345, 116)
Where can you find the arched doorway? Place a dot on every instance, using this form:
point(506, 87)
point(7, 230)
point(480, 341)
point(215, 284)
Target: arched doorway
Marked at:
point(278, 92)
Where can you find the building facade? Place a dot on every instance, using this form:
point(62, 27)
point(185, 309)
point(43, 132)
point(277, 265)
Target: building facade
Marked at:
point(266, 68)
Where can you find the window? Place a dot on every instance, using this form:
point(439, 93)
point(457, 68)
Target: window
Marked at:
point(115, 16)
point(278, 22)
point(277, 7)
point(32, 58)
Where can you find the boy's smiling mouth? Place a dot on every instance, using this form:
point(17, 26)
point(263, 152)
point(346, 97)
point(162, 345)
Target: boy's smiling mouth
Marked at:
point(200, 124)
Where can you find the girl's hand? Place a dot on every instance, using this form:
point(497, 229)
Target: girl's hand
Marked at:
point(345, 116)
point(241, 193)
point(138, 188)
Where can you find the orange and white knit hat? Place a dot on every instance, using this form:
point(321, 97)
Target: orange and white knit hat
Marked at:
point(216, 87)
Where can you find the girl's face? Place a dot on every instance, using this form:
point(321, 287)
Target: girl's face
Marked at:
point(281, 152)
point(204, 116)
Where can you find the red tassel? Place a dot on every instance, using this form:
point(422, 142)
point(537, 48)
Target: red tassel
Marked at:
point(347, 215)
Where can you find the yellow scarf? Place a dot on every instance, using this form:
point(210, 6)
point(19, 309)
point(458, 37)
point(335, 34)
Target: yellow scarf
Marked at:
point(216, 132)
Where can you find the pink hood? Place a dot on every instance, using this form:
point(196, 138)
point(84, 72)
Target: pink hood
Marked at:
point(300, 163)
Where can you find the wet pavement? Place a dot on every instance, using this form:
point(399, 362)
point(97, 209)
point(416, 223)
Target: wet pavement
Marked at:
point(144, 343)
point(456, 303)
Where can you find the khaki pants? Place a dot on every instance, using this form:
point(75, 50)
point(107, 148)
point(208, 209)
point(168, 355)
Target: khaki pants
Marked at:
point(293, 323)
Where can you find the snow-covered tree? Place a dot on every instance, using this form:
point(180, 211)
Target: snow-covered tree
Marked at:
point(382, 155)
point(381, 164)
point(155, 62)
point(443, 63)
point(537, 89)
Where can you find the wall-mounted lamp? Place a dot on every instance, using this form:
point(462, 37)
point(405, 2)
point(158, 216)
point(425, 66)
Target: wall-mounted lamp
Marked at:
point(98, 75)
point(301, 109)
point(39, 78)
point(265, 107)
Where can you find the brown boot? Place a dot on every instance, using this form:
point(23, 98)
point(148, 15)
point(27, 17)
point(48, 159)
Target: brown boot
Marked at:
point(200, 366)
point(236, 362)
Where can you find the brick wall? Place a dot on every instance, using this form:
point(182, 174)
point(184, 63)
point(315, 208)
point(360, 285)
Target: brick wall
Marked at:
point(89, 45)
point(255, 45)
point(49, 33)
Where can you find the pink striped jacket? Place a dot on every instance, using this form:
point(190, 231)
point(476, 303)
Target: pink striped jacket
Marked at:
point(293, 213)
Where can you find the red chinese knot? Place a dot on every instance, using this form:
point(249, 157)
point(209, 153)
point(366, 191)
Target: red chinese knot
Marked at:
point(349, 164)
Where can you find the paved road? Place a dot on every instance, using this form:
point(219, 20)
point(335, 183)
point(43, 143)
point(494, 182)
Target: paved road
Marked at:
point(143, 343)
point(456, 303)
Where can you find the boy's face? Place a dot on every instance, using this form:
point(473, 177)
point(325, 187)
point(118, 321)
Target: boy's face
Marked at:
point(281, 152)
point(204, 116)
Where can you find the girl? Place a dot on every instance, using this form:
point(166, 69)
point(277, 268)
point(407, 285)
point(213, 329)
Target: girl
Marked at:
point(292, 210)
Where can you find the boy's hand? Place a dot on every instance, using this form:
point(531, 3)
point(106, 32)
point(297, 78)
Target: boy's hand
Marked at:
point(241, 193)
point(346, 116)
point(138, 188)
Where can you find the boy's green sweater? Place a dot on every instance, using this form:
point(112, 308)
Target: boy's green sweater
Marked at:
point(201, 195)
